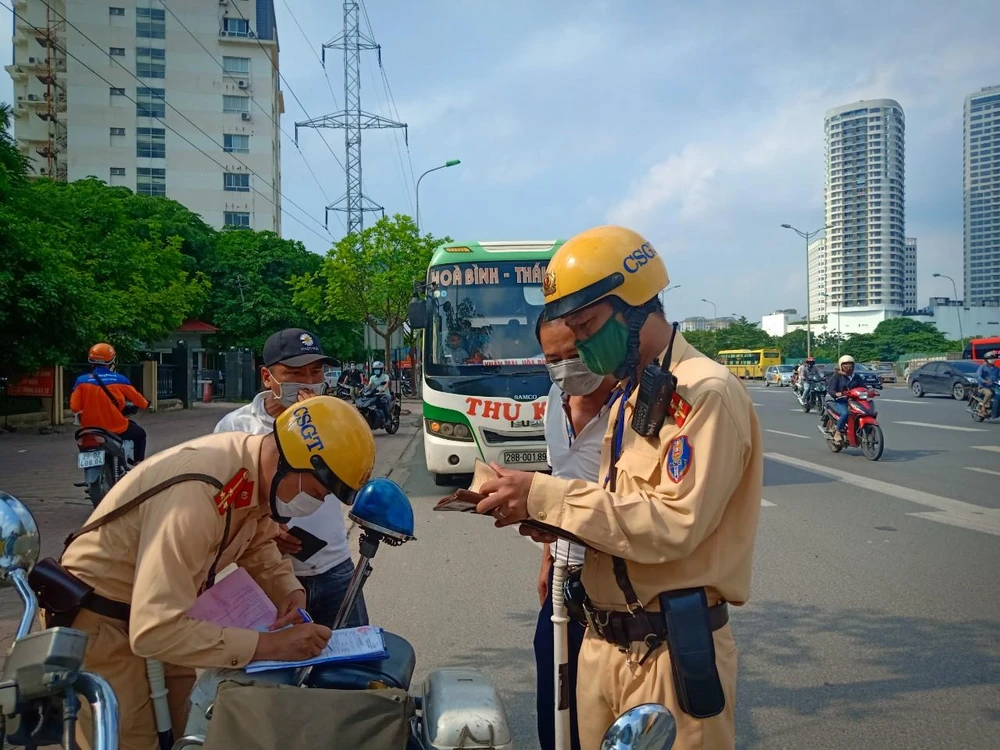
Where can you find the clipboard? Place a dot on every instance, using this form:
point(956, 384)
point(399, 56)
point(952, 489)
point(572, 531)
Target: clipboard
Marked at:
point(311, 544)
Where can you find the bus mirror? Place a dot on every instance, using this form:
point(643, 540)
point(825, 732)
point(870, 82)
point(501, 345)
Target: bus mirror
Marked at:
point(417, 313)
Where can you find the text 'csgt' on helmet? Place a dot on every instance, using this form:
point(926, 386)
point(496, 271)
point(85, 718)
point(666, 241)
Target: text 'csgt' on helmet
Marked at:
point(602, 263)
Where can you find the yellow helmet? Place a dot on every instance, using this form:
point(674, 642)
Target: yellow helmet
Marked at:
point(330, 438)
point(601, 263)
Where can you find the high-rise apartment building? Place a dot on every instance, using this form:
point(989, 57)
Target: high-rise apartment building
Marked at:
point(866, 246)
point(910, 275)
point(981, 184)
point(817, 279)
point(179, 99)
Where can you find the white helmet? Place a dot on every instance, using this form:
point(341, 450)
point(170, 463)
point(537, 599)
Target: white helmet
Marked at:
point(990, 355)
point(378, 366)
point(846, 359)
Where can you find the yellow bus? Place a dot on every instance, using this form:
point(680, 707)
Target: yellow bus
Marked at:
point(749, 363)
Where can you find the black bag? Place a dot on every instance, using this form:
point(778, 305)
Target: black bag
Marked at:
point(59, 592)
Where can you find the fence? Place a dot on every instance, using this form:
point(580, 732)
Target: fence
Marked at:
point(165, 381)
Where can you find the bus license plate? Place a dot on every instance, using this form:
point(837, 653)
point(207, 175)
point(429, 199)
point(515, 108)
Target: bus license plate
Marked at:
point(525, 457)
point(90, 459)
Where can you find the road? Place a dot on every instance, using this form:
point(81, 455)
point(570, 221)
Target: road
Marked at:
point(873, 621)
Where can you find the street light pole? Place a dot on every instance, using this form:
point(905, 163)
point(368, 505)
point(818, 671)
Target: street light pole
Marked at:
point(715, 310)
point(449, 163)
point(958, 308)
point(808, 236)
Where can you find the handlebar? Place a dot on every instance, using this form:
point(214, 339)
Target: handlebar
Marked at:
point(104, 705)
point(20, 580)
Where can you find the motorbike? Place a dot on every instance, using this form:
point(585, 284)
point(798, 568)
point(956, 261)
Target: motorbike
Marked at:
point(104, 457)
point(339, 390)
point(42, 680)
point(980, 403)
point(811, 394)
point(367, 404)
point(862, 428)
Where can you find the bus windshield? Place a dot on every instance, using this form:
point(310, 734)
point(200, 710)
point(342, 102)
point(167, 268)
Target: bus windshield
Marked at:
point(482, 317)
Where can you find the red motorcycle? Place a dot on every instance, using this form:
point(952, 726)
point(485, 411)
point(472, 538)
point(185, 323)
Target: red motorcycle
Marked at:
point(862, 429)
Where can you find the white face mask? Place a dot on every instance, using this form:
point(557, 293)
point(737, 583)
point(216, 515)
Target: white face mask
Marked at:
point(303, 504)
point(290, 391)
point(573, 377)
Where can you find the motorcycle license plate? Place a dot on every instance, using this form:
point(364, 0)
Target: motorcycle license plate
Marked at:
point(90, 459)
point(525, 457)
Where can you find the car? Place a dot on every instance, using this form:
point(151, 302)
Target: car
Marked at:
point(780, 375)
point(885, 370)
point(868, 375)
point(951, 377)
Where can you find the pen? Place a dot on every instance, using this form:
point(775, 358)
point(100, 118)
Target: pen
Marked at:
point(304, 615)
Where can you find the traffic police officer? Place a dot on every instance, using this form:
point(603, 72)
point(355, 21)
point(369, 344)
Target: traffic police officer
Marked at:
point(671, 525)
point(202, 505)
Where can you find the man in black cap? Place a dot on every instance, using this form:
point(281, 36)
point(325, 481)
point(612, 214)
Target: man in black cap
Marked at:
point(317, 543)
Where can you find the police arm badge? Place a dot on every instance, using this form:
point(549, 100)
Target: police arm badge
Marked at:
point(679, 456)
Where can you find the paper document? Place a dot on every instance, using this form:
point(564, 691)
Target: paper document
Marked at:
point(235, 602)
point(348, 644)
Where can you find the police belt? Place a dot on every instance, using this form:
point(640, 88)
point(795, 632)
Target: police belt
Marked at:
point(623, 628)
point(105, 607)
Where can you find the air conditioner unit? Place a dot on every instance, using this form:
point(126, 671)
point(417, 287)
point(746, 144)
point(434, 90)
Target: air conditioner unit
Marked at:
point(222, 32)
point(32, 60)
point(20, 97)
point(242, 84)
point(244, 115)
point(32, 97)
point(252, 34)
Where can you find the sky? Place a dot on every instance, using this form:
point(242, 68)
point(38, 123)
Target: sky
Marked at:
point(699, 125)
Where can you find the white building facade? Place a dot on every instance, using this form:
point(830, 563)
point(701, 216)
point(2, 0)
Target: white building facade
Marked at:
point(981, 183)
point(910, 275)
point(818, 289)
point(176, 99)
point(865, 172)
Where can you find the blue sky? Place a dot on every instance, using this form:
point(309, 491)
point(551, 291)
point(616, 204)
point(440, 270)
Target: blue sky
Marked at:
point(698, 124)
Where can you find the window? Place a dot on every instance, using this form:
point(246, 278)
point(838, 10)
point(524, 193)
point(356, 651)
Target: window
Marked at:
point(149, 102)
point(150, 63)
point(117, 131)
point(239, 183)
point(117, 171)
point(151, 143)
point(116, 11)
point(235, 27)
point(151, 23)
point(236, 144)
point(117, 52)
point(151, 181)
point(236, 65)
point(236, 219)
point(117, 92)
point(235, 103)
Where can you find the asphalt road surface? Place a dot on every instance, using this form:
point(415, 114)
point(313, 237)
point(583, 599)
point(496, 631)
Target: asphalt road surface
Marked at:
point(874, 621)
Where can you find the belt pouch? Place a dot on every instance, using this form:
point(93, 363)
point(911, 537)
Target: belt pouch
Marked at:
point(575, 596)
point(59, 592)
point(692, 652)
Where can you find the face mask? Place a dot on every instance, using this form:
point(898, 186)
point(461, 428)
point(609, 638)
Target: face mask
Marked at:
point(290, 391)
point(378, 373)
point(573, 377)
point(303, 504)
point(607, 349)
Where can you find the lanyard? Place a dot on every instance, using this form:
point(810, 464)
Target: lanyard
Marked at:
point(616, 444)
point(570, 430)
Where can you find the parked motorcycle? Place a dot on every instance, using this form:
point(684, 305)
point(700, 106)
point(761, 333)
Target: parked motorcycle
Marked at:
point(862, 428)
point(980, 403)
point(42, 679)
point(367, 404)
point(811, 394)
point(104, 458)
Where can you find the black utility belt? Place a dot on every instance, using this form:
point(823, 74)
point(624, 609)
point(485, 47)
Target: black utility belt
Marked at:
point(623, 629)
point(101, 605)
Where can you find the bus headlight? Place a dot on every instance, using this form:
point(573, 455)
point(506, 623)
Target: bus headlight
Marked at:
point(448, 430)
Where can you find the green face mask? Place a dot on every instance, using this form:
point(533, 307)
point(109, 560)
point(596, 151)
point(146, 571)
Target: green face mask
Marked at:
point(607, 349)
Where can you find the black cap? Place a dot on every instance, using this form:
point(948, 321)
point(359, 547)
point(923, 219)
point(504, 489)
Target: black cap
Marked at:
point(293, 347)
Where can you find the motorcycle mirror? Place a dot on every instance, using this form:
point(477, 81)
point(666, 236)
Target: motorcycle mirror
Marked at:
point(646, 727)
point(19, 540)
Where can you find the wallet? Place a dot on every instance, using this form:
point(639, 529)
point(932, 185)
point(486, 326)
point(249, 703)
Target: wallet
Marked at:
point(311, 544)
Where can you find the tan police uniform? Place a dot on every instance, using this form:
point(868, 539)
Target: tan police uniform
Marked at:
point(157, 557)
point(684, 515)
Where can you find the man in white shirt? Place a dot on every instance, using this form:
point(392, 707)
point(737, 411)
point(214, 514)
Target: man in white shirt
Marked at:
point(317, 543)
point(576, 419)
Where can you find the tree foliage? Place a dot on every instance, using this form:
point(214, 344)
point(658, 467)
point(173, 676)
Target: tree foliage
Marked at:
point(368, 277)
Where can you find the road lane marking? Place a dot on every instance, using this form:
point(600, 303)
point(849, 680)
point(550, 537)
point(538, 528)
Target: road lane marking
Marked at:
point(766, 503)
point(942, 426)
point(982, 471)
point(789, 434)
point(994, 448)
point(756, 404)
point(904, 401)
point(951, 512)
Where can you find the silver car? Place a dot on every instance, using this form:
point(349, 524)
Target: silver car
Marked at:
point(779, 375)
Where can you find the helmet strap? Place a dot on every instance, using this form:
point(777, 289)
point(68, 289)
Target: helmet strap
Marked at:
point(635, 318)
point(283, 470)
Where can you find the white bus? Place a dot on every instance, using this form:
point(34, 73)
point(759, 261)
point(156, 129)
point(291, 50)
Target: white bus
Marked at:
point(485, 385)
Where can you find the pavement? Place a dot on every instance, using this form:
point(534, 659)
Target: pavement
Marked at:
point(874, 619)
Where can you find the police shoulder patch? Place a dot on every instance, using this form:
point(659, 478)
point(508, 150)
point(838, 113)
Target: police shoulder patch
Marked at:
point(238, 492)
point(679, 456)
point(679, 409)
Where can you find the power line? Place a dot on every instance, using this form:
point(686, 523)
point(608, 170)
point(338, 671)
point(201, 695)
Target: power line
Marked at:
point(252, 99)
point(172, 130)
point(309, 44)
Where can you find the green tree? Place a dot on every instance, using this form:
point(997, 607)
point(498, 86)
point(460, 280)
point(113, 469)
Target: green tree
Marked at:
point(898, 336)
point(742, 334)
point(368, 277)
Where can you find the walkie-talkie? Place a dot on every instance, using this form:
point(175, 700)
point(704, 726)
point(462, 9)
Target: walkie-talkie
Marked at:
point(656, 389)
